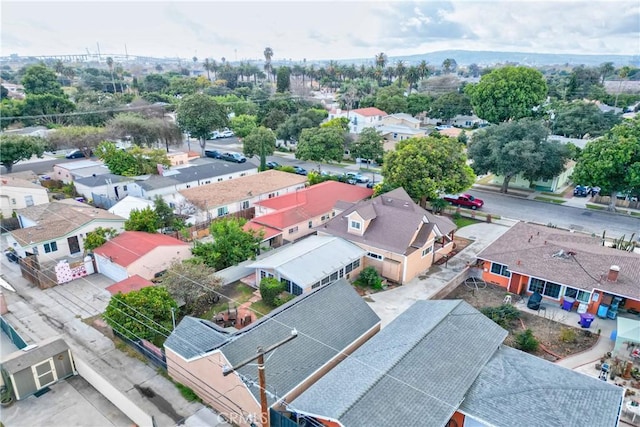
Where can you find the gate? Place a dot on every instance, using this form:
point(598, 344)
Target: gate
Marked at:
point(15, 338)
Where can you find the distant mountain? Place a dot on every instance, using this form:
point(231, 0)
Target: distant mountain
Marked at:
point(488, 58)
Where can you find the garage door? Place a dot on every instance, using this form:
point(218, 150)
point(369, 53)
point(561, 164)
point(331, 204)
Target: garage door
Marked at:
point(109, 269)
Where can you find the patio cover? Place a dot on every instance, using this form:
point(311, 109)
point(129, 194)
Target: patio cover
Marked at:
point(628, 331)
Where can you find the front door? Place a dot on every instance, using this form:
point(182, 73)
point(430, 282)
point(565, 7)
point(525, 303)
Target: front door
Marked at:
point(74, 245)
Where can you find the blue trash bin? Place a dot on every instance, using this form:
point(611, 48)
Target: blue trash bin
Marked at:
point(567, 303)
point(586, 319)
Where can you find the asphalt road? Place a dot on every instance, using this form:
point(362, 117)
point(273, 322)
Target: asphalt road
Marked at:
point(590, 221)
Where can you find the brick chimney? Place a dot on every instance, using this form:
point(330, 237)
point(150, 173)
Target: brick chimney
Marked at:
point(613, 273)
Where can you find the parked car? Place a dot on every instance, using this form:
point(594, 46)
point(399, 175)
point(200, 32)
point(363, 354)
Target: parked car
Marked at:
point(213, 154)
point(347, 178)
point(226, 134)
point(358, 177)
point(214, 135)
point(372, 184)
point(273, 165)
point(300, 170)
point(234, 157)
point(581, 191)
point(465, 200)
point(12, 256)
point(75, 154)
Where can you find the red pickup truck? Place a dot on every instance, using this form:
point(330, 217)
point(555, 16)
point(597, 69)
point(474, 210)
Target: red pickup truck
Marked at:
point(465, 200)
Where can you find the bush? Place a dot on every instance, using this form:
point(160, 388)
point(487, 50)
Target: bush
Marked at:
point(456, 216)
point(502, 315)
point(370, 278)
point(525, 341)
point(283, 298)
point(568, 335)
point(270, 290)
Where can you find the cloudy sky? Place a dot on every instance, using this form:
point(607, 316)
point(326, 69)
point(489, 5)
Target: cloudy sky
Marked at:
point(317, 29)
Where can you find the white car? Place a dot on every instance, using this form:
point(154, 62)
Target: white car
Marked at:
point(226, 134)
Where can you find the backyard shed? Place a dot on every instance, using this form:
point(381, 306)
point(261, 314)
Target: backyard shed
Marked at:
point(628, 334)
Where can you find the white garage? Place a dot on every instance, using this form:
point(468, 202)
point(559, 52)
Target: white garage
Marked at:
point(110, 269)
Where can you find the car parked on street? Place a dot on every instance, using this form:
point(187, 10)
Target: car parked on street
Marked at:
point(581, 191)
point(358, 177)
point(75, 154)
point(465, 200)
point(213, 154)
point(226, 134)
point(233, 157)
point(300, 170)
point(273, 165)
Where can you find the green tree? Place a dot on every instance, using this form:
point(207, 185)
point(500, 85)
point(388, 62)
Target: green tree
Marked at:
point(191, 281)
point(391, 100)
point(47, 106)
point(132, 162)
point(507, 93)
point(156, 83)
point(166, 216)
point(519, 147)
point(144, 314)
point(283, 82)
point(577, 119)
point(231, 244)
point(613, 161)
point(14, 148)
point(262, 142)
point(322, 145)
point(424, 167)
point(418, 103)
point(4, 93)
point(270, 289)
point(143, 220)
point(98, 237)
point(449, 105)
point(243, 124)
point(40, 80)
point(136, 127)
point(368, 145)
point(84, 138)
point(10, 111)
point(199, 115)
point(583, 81)
point(290, 130)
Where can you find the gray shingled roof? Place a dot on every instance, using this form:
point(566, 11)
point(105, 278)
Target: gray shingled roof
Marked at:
point(327, 320)
point(416, 371)
point(98, 180)
point(395, 218)
point(206, 172)
point(528, 249)
point(21, 360)
point(194, 337)
point(516, 388)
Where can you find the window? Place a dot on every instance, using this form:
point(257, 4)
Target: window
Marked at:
point(341, 273)
point(245, 204)
point(44, 373)
point(208, 182)
point(272, 195)
point(356, 264)
point(172, 205)
point(325, 217)
point(188, 186)
point(374, 255)
point(356, 225)
point(124, 187)
point(310, 224)
point(582, 296)
point(395, 136)
point(28, 200)
point(295, 289)
point(326, 280)
point(500, 269)
point(334, 276)
point(13, 201)
point(293, 230)
point(315, 285)
point(219, 179)
point(242, 174)
point(426, 251)
point(549, 289)
point(348, 268)
point(223, 211)
point(50, 247)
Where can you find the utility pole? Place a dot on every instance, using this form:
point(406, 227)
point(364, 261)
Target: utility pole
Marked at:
point(264, 409)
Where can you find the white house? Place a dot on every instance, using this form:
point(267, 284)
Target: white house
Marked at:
point(69, 172)
point(106, 184)
point(124, 207)
point(17, 193)
point(359, 118)
point(57, 230)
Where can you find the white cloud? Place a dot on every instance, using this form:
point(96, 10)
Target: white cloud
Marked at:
point(317, 29)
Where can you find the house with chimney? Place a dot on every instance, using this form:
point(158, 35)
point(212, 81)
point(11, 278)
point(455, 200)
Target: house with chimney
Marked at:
point(562, 266)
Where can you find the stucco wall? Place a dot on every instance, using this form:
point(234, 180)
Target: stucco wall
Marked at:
point(15, 198)
point(157, 260)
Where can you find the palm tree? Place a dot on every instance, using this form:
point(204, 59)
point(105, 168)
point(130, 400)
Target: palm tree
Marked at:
point(389, 73)
point(381, 60)
point(58, 66)
point(623, 73)
point(110, 65)
point(120, 73)
point(207, 66)
point(195, 59)
point(401, 69)
point(413, 76)
point(423, 68)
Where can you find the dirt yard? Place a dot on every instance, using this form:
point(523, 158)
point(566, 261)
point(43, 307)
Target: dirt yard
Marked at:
point(557, 339)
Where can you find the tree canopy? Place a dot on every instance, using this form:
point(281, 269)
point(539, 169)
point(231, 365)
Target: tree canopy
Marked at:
point(449, 105)
point(368, 145)
point(261, 142)
point(191, 281)
point(613, 161)
point(322, 145)
point(14, 148)
point(243, 124)
point(40, 80)
point(84, 138)
point(132, 162)
point(519, 147)
point(507, 93)
point(98, 237)
point(424, 167)
point(143, 220)
point(199, 115)
point(577, 119)
point(231, 244)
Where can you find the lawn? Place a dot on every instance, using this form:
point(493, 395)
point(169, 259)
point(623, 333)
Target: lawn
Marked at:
point(261, 309)
point(463, 222)
point(236, 293)
point(550, 200)
point(596, 207)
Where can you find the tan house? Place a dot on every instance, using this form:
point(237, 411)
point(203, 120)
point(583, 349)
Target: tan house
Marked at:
point(401, 239)
point(138, 253)
point(69, 172)
point(57, 229)
point(17, 193)
point(178, 158)
point(329, 324)
point(226, 197)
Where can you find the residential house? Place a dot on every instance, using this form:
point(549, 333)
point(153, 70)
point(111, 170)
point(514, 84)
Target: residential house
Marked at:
point(556, 183)
point(138, 253)
point(14, 91)
point(294, 215)
point(105, 185)
point(57, 229)
point(461, 120)
point(227, 197)
point(562, 264)
point(17, 193)
point(398, 127)
point(359, 118)
point(178, 158)
point(400, 238)
point(71, 171)
point(443, 363)
point(329, 324)
point(310, 263)
point(124, 207)
point(130, 284)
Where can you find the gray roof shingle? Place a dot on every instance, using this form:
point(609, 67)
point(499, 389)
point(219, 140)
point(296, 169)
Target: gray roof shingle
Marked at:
point(414, 372)
point(194, 337)
point(204, 172)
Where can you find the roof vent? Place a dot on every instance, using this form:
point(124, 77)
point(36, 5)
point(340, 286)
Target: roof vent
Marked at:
point(561, 254)
point(614, 270)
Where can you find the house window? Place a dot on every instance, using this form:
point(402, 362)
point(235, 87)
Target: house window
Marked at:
point(326, 280)
point(13, 201)
point(426, 251)
point(310, 224)
point(50, 247)
point(315, 285)
point(395, 136)
point(28, 200)
point(208, 182)
point(263, 274)
point(356, 264)
point(245, 204)
point(287, 284)
point(219, 179)
point(172, 205)
point(223, 211)
point(356, 225)
point(242, 174)
point(324, 217)
point(341, 273)
point(295, 289)
point(293, 230)
point(188, 186)
point(543, 287)
point(374, 255)
point(348, 268)
point(500, 269)
point(272, 195)
point(582, 296)
point(124, 187)
point(334, 276)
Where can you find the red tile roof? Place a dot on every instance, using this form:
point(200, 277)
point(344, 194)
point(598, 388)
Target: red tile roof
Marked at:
point(269, 232)
point(133, 283)
point(308, 203)
point(127, 247)
point(369, 111)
